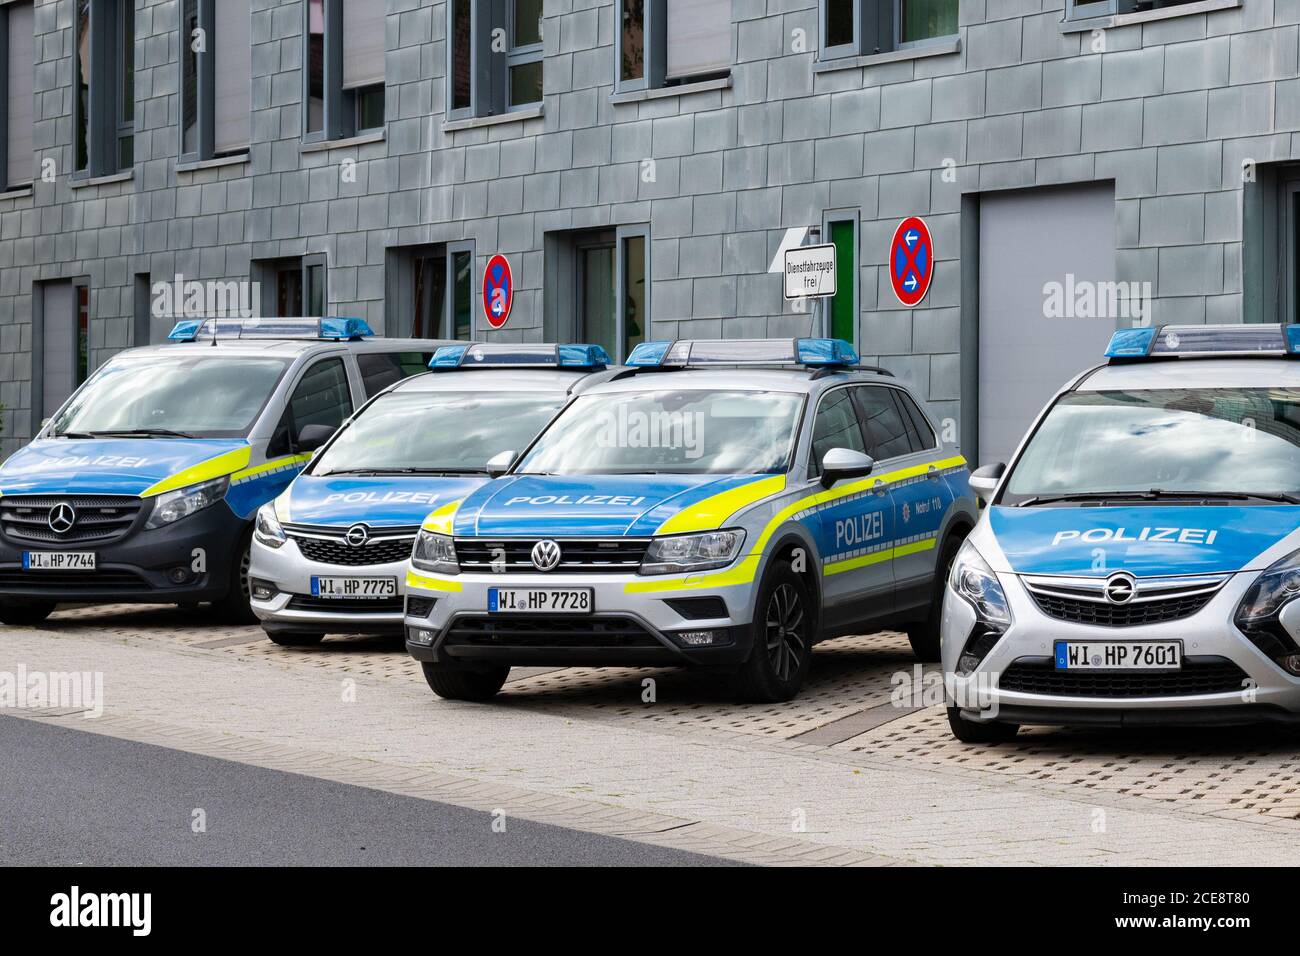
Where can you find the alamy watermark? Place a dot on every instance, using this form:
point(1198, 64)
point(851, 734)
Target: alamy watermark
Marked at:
point(917, 689)
point(206, 299)
point(1084, 299)
point(625, 428)
point(32, 690)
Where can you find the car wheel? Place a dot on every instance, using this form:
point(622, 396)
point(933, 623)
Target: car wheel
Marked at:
point(782, 639)
point(975, 732)
point(235, 607)
point(453, 683)
point(26, 614)
point(924, 636)
point(290, 639)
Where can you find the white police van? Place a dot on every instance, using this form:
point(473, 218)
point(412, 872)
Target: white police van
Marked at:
point(142, 487)
point(1139, 559)
point(330, 554)
point(720, 504)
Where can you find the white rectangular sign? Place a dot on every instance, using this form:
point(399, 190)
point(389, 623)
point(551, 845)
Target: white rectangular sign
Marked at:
point(810, 272)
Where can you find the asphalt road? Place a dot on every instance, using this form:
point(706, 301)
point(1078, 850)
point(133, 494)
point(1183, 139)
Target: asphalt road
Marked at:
point(68, 797)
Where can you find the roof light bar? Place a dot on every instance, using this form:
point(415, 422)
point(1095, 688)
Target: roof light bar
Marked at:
point(329, 329)
point(492, 355)
point(683, 353)
point(1204, 341)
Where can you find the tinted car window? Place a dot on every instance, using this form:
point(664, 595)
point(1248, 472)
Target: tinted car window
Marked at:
point(836, 426)
point(320, 398)
point(922, 435)
point(382, 369)
point(883, 423)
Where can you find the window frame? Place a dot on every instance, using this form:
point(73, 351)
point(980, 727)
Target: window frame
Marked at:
point(105, 126)
point(654, 72)
point(814, 464)
point(524, 55)
point(873, 35)
point(205, 97)
point(903, 418)
point(284, 437)
point(341, 107)
point(7, 182)
point(489, 71)
point(1087, 9)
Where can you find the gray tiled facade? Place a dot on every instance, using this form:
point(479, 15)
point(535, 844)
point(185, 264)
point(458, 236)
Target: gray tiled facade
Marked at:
point(1168, 112)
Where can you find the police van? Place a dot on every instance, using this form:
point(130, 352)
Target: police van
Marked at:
point(330, 554)
point(142, 487)
point(722, 504)
point(1139, 559)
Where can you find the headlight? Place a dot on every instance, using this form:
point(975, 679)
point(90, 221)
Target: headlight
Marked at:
point(267, 529)
point(435, 552)
point(1272, 590)
point(175, 505)
point(976, 583)
point(692, 552)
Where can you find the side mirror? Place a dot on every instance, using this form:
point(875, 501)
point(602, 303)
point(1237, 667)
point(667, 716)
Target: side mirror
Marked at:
point(312, 437)
point(499, 465)
point(984, 481)
point(842, 463)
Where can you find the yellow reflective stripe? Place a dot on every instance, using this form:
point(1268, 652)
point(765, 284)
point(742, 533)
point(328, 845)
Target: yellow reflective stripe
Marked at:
point(426, 583)
point(440, 522)
point(275, 465)
point(709, 514)
point(915, 547)
point(218, 467)
point(879, 557)
point(742, 573)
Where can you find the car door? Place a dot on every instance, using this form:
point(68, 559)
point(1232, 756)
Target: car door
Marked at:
point(855, 529)
point(906, 443)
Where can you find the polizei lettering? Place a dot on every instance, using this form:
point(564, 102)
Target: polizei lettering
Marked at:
point(1117, 535)
point(859, 530)
point(85, 461)
point(387, 498)
point(620, 501)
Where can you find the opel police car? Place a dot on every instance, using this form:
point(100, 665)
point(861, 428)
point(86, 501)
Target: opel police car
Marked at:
point(142, 487)
point(330, 554)
point(720, 504)
point(1139, 559)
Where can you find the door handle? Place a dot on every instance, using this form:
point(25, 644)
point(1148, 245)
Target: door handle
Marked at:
point(880, 488)
point(934, 473)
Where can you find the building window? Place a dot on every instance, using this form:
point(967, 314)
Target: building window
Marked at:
point(864, 27)
point(18, 43)
point(1083, 9)
point(598, 288)
point(216, 78)
point(343, 68)
point(671, 42)
point(431, 292)
point(104, 81)
point(494, 57)
point(293, 287)
point(842, 309)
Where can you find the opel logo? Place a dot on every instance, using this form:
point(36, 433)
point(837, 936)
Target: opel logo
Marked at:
point(62, 518)
point(357, 536)
point(1120, 588)
point(546, 555)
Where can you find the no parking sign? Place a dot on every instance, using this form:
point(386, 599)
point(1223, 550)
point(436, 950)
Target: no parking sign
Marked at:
point(498, 291)
point(911, 261)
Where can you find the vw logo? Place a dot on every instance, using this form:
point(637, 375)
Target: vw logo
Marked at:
point(357, 536)
point(62, 518)
point(546, 555)
point(1120, 588)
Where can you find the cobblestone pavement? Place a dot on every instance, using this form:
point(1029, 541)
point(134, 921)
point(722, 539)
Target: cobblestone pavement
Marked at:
point(840, 776)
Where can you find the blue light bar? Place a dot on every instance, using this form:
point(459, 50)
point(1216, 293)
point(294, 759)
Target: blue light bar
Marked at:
point(1205, 341)
point(492, 355)
point(811, 353)
point(329, 329)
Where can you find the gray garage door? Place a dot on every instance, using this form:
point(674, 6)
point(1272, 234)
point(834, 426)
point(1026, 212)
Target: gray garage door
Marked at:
point(1027, 240)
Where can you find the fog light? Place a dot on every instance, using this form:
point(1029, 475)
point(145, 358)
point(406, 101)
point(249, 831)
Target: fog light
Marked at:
point(262, 591)
point(420, 635)
point(699, 638)
point(1291, 663)
point(967, 664)
point(178, 575)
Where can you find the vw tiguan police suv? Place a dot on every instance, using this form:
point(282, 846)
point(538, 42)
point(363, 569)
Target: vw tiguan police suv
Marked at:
point(720, 504)
point(1139, 561)
point(142, 487)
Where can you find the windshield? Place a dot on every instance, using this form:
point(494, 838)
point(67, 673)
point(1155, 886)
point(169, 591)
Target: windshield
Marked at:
point(1229, 440)
point(438, 432)
point(670, 432)
point(179, 395)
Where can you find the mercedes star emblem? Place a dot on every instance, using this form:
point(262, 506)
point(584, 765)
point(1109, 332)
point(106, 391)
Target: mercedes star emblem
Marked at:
point(62, 517)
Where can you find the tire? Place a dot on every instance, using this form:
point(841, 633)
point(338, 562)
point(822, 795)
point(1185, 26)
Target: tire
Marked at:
point(783, 631)
point(476, 686)
point(973, 732)
point(925, 636)
point(235, 608)
point(289, 639)
point(26, 614)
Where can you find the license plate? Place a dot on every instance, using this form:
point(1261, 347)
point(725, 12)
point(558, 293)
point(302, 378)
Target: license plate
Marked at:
point(353, 588)
point(59, 560)
point(539, 600)
point(1119, 655)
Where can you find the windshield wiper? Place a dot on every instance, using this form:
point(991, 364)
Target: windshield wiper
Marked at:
point(1159, 494)
point(379, 472)
point(142, 433)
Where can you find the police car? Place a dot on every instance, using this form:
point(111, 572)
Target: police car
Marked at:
point(330, 554)
point(723, 504)
point(143, 485)
point(1139, 561)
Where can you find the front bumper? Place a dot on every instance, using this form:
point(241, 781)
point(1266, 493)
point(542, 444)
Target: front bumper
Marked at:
point(636, 621)
point(138, 567)
point(1240, 683)
point(293, 609)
